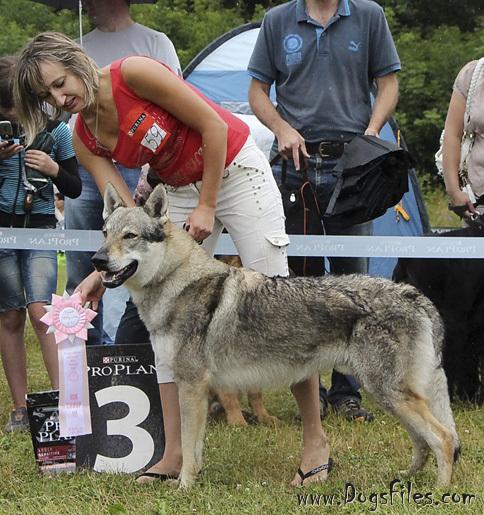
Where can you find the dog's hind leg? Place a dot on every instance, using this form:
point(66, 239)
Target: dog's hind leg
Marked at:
point(439, 403)
point(259, 410)
point(420, 453)
point(233, 411)
point(415, 414)
point(193, 398)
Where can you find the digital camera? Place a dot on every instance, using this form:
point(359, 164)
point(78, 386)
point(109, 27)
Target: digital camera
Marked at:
point(11, 132)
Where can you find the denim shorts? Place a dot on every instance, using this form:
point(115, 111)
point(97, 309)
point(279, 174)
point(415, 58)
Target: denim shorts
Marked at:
point(26, 276)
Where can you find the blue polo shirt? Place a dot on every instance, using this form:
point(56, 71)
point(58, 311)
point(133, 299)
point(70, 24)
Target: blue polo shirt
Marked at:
point(323, 75)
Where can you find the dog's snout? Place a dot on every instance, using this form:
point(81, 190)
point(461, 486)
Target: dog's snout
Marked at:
point(100, 260)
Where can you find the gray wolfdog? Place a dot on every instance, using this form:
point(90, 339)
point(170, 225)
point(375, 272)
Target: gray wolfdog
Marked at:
point(234, 329)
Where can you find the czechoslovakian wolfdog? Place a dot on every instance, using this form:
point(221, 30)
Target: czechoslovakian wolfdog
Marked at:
point(234, 329)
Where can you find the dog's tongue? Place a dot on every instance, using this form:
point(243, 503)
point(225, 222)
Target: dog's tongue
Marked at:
point(107, 276)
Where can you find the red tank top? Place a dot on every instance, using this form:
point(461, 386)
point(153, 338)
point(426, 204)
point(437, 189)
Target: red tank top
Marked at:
point(149, 134)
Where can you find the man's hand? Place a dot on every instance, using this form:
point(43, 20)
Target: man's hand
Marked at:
point(372, 132)
point(91, 289)
point(41, 162)
point(291, 145)
point(8, 150)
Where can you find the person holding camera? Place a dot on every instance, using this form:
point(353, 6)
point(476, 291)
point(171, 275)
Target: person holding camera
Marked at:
point(29, 277)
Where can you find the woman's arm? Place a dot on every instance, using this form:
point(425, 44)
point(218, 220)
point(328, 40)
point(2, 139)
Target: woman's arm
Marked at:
point(102, 170)
point(290, 143)
point(67, 180)
point(454, 128)
point(152, 81)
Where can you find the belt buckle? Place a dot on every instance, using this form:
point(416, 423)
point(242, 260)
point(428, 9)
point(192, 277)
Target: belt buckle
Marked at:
point(321, 149)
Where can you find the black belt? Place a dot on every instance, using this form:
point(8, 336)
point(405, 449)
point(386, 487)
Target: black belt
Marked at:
point(326, 148)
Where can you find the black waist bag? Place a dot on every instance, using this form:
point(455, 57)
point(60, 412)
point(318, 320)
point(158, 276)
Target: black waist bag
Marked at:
point(372, 176)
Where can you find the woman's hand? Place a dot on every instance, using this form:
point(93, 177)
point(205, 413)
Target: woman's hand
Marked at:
point(41, 162)
point(8, 150)
point(200, 222)
point(459, 198)
point(91, 289)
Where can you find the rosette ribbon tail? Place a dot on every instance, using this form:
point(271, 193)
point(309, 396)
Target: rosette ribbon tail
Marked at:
point(69, 322)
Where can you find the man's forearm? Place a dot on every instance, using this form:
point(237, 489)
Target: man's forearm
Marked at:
point(263, 108)
point(385, 102)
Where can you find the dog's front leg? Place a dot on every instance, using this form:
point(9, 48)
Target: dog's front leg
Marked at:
point(193, 399)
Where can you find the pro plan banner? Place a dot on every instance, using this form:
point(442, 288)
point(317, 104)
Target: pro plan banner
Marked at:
point(53, 453)
point(127, 426)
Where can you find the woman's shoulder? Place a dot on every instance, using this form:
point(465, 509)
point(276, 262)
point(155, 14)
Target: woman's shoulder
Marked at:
point(134, 65)
point(464, 77)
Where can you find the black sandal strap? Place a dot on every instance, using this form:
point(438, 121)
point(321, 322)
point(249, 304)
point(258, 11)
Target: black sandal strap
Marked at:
point(316, 470)
point(156, 475)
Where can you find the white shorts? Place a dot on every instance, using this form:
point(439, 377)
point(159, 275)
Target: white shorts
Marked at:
point(249, 206)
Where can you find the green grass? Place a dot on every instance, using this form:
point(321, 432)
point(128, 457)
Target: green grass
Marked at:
point(246, 471)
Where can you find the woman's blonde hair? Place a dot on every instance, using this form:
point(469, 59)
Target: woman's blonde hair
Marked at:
point(57, 48)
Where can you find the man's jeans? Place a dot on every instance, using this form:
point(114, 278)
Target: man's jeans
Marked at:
point(85, 212)
point(319, 174)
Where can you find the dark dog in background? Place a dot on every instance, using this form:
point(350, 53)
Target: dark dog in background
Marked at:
point(456, 287)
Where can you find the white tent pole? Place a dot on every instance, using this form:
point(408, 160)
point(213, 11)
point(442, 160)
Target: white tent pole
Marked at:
point(80, 22)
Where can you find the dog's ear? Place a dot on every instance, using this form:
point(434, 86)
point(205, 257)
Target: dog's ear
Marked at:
point(112, 200)
point(157, 203)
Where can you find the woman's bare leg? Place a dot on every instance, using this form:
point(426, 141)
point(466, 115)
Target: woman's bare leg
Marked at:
point(47, 342)
point(172, 457)
point(315, 444)
point(12, 350)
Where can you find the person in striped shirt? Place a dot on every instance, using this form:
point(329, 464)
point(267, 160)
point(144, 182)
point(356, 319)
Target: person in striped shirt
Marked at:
point(29, 277)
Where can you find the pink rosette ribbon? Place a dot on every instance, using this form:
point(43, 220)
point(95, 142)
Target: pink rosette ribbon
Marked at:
point(69, 322)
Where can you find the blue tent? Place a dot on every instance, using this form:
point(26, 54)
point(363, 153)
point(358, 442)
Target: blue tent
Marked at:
point(220, 72)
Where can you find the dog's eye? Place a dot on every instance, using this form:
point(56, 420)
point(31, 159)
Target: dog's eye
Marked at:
point(105, 233)
point(130, 236)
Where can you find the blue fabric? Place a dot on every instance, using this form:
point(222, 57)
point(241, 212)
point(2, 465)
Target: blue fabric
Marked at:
point(27, 276)
point(12, 191)
point(85, 212)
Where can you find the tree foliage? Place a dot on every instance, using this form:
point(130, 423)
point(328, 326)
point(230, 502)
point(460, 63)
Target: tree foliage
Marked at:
point(434, 40)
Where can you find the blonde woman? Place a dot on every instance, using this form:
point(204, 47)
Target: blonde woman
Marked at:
point(137, 111)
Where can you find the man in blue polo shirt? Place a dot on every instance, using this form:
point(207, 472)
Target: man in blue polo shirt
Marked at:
point(323, 56)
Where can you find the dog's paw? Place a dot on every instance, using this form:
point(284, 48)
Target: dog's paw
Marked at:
point(406, 473)
point(172, 483)
point(236, 420)
point(185, 484)
point(268, 420)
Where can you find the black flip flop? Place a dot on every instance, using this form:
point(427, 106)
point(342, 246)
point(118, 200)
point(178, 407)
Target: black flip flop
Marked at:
point(156, 476)
point(316, 470)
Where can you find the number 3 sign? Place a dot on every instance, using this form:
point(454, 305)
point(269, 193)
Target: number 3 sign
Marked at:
point(127, 425)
